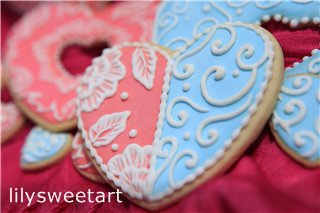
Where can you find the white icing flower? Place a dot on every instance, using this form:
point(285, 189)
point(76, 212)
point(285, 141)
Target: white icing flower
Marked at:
point(100, 80)
point(130, 169)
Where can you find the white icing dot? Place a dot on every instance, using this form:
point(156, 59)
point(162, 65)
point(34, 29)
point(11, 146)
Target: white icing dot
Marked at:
point(294, 23)
point(316, 20)
point(114, 147)
point(133, 133)
point(304, 20)
point(124, 96)
point(213, 133)
point(297, 84)
point(277, 17)
point(285, 20)
point(239, 11)
point(182, 114)
point(206, 8)
point(186, 136)
point(186, 87)
point(235, 73)
point(305, 58)
point(188, 68)
point(266, 18)
point(314, 51)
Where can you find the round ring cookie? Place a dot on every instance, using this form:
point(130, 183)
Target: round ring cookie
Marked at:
point(43, 148)
point(11, 120)
point(296, 118)
point(82, 162)
point(157, 126)
point(39, 83)
point(178, 21)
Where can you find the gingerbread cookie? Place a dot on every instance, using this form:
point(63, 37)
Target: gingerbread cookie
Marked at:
point(39, 83)
point(43, 148)
point(179, 21)
point(158, 126)
point(296, 119)
point(11, 120)
point(82, 162)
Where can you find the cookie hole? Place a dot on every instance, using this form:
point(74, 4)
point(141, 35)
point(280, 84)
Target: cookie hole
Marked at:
point(76, 58)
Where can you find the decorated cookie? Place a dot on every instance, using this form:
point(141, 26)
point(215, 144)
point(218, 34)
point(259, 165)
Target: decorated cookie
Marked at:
point(82, 162)
point(296, 119)
point(43, 148)
point(178, 21)
point(11, 120)
point(158, 126)
point(39, 82)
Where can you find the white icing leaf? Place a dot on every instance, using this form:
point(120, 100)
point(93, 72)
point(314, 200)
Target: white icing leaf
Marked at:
point(144, 66)
point(107, 128)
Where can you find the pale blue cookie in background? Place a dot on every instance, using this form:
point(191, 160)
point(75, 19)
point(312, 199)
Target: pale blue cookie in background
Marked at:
point(43, 148)
point(296, 119)
point(179, 21)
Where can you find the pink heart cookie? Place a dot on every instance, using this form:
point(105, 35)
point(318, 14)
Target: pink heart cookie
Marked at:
point(110, 94)
point(121, 85)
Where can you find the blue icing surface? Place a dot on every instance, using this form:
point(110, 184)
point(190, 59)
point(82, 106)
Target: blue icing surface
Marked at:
point(296, 116)
point(179, 21)
point(185, 148)
point(42, 145)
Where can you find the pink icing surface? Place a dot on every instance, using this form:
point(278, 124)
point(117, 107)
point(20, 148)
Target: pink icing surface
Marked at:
point(143, 105)
point(35, 45)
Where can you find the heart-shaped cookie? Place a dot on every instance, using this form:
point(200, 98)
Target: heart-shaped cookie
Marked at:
point(158, 126)
point(43, 148)
point(179, 21)
point(296, 119)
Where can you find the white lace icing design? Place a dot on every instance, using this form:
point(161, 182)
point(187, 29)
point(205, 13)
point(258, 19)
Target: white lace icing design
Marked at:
point(100, 80)
point(144, 66)
point(107, 128)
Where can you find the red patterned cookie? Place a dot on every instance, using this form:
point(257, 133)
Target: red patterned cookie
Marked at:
point(11, 120)
point(82, 162)
point(39, 82)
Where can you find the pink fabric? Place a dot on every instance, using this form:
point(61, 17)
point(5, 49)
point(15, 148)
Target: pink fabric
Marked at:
point(265, 179)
